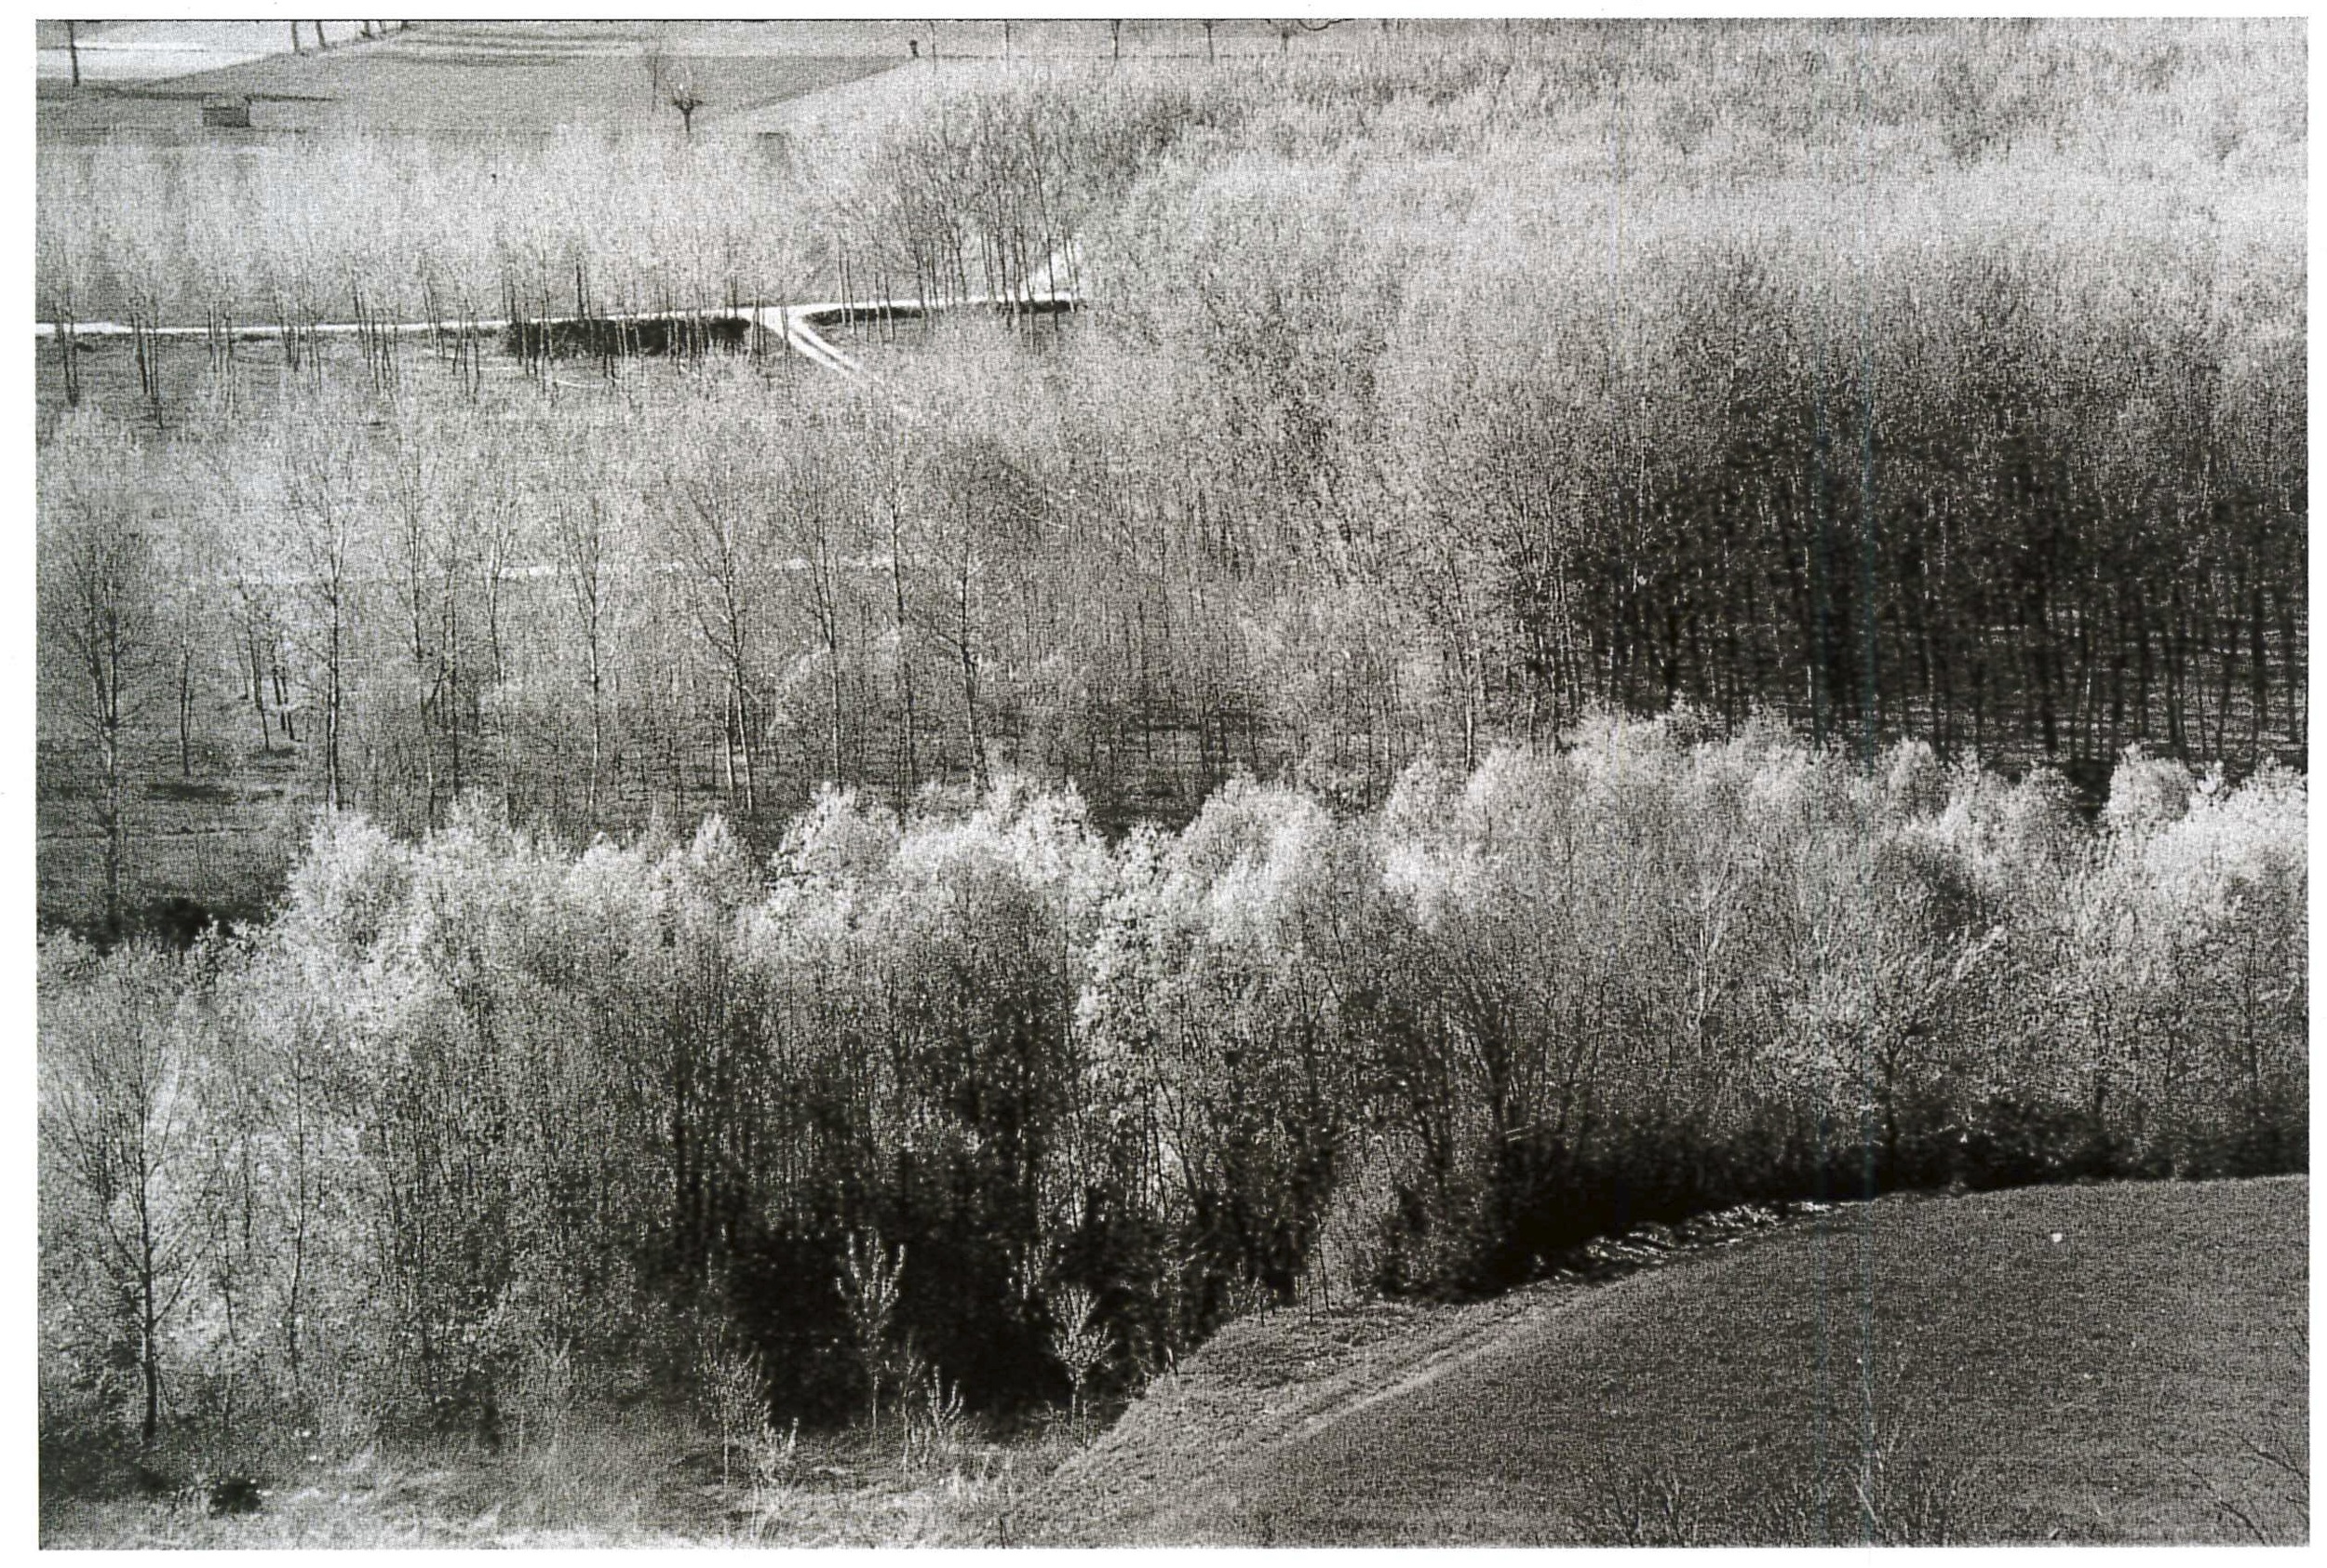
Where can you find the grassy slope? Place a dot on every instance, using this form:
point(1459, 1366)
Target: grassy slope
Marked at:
point(2101, 1386)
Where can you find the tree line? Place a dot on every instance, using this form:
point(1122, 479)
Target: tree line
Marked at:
point(972, 1095)
point(2020, 512)
point(1428, 393)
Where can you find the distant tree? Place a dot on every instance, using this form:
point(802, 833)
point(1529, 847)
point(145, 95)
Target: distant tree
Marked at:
point(722, 546)
point(685, 100)
point(96, 605)
point(582, 534)
point(1287, 26)
point(324, 535)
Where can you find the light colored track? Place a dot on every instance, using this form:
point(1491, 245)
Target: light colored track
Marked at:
point(797, 327)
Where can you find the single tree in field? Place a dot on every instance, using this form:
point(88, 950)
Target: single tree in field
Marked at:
point(1077, 1339)
point(868, 1288)
point(684, 99)
point(97, 604)
point(1287, 26)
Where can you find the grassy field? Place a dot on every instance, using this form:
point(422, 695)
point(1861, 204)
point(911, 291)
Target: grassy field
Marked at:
point(2114, 1363)
point(625, 1485)
point(515, 78)
point(503, 77)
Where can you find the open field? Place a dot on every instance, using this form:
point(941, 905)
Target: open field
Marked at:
point(2112, 1363)
point(468, 78)
point(143, 79)
point(117, 53)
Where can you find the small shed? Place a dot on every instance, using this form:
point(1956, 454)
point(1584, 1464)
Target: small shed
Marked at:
point(223, 111)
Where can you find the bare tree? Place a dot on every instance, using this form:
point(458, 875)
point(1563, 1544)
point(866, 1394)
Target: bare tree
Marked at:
point(120, 1111)
point(1287, 26)
point(72, 47)
point(720, 547)
point(812, 533)
point(685, 100)
point(319, 506)
point(583, 541)
point(97, 598)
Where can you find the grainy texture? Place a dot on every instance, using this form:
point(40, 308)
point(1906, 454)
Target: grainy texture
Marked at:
point(2088, 1364)
point(773, 755)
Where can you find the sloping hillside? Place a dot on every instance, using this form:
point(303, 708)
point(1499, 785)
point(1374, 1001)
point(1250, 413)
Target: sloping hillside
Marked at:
point(2122, 1363)
point(475, 77)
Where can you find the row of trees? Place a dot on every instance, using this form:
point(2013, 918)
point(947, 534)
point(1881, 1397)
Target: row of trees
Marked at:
point(961, 160)
point(1417, 406)
point(970, 1085)
point(1292, 503)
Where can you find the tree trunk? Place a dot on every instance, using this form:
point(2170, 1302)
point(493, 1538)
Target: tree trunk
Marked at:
point(905, 651)
point(969, 677)
point(116, 839)
point(331, 797)
point(185, 709)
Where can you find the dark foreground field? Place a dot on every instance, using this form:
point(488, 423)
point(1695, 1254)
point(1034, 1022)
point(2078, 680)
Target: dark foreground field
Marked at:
point(2108, 1363)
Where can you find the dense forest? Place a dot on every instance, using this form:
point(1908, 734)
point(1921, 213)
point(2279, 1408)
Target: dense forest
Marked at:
point(1950, 388)
point(975, 1095)
point(1584, 623)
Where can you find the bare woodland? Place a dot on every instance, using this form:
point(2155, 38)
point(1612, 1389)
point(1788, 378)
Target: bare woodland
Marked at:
point(1562, 637)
